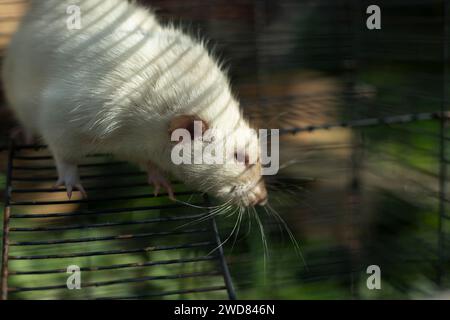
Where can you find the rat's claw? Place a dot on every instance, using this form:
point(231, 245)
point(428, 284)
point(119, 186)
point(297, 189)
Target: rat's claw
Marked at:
point(169, 190)
point(157, 186)
point(158, 181)
point(70, 188)
point(69, 178)
point(81, 189)
point(69, 192)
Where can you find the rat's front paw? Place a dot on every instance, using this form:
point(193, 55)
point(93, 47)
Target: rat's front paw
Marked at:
point(158, 180)
point(69, 177)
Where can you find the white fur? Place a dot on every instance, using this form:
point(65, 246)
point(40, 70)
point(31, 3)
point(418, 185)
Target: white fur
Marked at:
point(114, 85)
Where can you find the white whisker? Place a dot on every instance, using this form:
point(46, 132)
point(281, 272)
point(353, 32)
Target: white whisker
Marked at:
point(291, 235)
point(264, 241)
point(231, 234)
point(220, 210)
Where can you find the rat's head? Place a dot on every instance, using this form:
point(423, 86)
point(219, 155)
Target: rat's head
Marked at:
point(219, 159)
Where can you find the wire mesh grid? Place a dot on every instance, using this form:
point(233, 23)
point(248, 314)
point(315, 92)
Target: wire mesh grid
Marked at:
point(169, 250)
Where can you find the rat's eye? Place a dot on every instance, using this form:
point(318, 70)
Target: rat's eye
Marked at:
point(242, 158)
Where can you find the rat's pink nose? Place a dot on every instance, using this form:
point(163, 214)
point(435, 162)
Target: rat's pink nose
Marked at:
point(262, 202)
point(260, 194)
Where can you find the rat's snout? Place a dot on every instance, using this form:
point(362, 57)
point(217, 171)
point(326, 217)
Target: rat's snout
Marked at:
point(259, 195)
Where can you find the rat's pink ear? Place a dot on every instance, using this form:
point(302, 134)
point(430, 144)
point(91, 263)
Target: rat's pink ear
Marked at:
point(188, 123)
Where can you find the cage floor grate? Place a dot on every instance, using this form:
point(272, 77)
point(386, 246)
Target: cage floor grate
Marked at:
point(125, 242)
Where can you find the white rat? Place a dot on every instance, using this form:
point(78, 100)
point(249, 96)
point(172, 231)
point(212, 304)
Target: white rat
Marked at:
point(120, 84)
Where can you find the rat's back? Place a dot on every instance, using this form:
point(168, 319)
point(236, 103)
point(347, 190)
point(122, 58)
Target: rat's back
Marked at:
point(61, 52)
